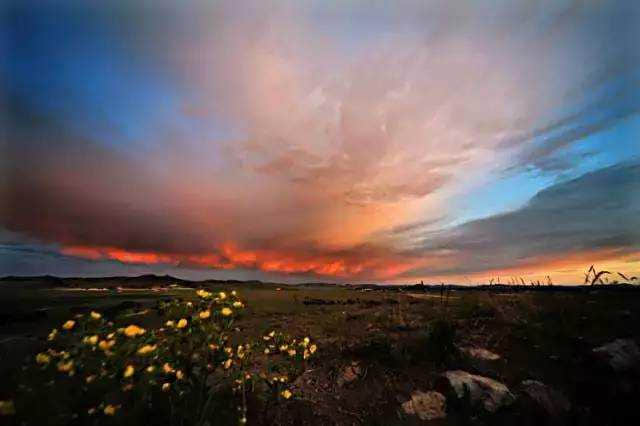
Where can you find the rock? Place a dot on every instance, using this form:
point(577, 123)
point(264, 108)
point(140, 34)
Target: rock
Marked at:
point(427, 406)
point(480, 353)
point(349, 374)
point(491, 394)
point(621, 355)
point(545, 399)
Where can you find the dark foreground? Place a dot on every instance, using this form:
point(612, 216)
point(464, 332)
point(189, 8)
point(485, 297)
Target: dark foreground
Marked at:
point(377, 350)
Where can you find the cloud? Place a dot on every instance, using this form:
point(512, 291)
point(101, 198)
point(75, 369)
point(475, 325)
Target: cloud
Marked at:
point(312, 136)
point(597, 211)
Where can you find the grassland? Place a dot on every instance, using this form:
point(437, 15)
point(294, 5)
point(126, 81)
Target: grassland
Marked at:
point(378, 347)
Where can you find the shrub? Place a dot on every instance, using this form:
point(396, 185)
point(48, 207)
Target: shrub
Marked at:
point(195, 365)
point(440, 341)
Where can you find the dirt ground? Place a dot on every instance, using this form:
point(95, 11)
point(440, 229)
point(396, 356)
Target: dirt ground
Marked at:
point(377, 348)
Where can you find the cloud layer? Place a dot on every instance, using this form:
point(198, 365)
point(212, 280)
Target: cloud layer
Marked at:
point(294, 140)
point(598, 213)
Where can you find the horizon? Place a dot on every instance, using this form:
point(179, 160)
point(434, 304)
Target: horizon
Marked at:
point(302, 283)
point(363, 142)
point(512, 281)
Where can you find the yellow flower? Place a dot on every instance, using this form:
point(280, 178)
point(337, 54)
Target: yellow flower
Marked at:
point(128, 372)
point(43, 358)
point(313, 348)
point(68, 325)
point(146, 349)
point(273, 333)
point(53, 334)
point(179, 375)
point(305, 341)
point(170, 323)
point(151, 369)
point(238, 304)
point(133, 331)
point(95, 315)
point(292, 352)
point(222, 295)
point(91, 340)
point(106, 344)
point(110, 335)
point(228, 363)
point(203, 293)
point(204, 314)
point(182, 323)
point(284, 348)
point(7, 408)
point(286, 394)
point(110, 410)
point(189, 305)
point(226, 312)
point(167, 368)
point(266, 351)
point(65, 367)
point(305, 354)
point(166, 387)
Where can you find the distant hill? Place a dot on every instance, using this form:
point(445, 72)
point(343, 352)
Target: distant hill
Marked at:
point(42, 281)
point(141, 281)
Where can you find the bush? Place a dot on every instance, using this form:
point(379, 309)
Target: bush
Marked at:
point(440, 341)
point(196, 365)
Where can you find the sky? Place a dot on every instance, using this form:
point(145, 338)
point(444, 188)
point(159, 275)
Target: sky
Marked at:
point(298, 141)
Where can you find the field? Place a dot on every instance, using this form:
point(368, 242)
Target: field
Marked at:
point(377, 348)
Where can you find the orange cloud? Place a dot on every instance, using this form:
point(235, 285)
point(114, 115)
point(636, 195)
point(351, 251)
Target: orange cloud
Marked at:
point(229, 256)
point(563, 269)
point(113, 253)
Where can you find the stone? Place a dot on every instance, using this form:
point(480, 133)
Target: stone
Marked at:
point(546, 399)
point(621, 355)
point(426, 405)
point(480, 353)
point(489, 393)
point(349, 374)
